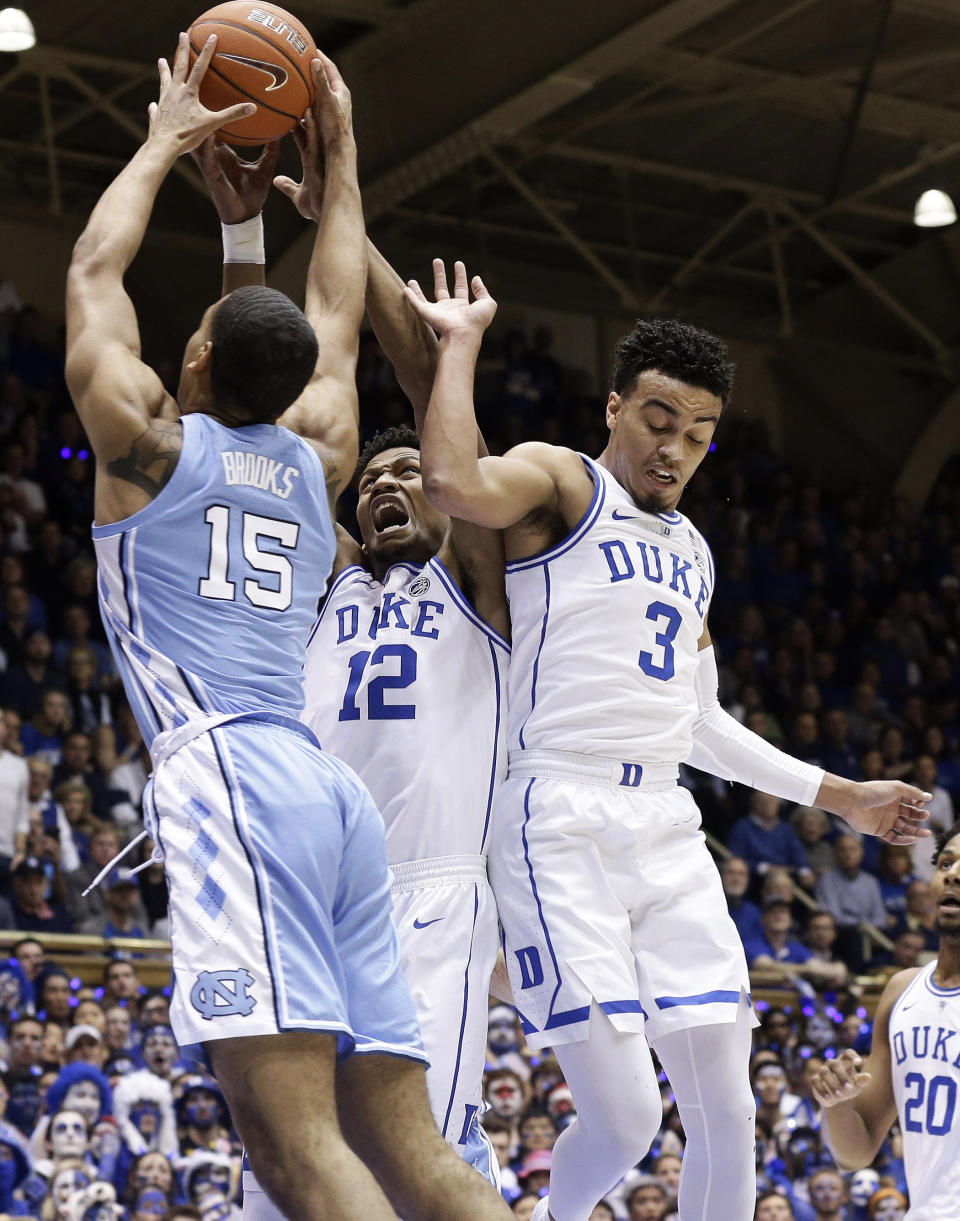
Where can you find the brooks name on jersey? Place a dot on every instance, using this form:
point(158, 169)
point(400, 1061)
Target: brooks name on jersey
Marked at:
point(254, 470)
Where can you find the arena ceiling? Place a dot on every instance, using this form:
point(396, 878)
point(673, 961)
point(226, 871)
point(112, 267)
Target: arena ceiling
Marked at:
point(747, 162)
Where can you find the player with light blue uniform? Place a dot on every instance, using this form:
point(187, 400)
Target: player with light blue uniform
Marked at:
point(912, 1074)
point(615, 927)
point(214, 540)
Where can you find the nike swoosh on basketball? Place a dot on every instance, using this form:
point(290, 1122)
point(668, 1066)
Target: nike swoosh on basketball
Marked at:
point(279, 74)
point(427, 923)
point(624, 516)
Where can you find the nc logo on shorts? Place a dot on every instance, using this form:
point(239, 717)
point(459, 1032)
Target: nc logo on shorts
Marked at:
point(223, 994)
point(418, 587)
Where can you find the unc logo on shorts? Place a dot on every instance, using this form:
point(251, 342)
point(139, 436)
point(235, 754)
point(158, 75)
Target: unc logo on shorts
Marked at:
point(418, 587)
point(223, 994)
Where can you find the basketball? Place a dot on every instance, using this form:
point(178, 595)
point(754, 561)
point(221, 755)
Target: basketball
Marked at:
point(263, 55)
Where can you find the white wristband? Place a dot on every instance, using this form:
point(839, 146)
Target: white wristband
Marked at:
point(243, 243)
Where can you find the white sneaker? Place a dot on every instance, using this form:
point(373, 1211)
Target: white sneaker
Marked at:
point(541, 1210)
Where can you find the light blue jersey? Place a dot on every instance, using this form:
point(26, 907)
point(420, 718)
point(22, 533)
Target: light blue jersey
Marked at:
point(209, 593)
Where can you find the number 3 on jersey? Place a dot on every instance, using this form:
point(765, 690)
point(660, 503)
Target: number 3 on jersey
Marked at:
point(216, 584)
point(662, 669)
point(377, 707)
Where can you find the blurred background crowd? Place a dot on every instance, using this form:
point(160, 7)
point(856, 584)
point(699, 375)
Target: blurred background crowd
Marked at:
point(837, 624)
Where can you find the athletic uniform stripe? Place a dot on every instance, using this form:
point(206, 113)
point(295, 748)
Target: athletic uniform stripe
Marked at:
point(494, 769)
point(457, 595)
point(536, 663)
point(533, 886)
point(591, 515)
point(722, 995)
point(463, 1019)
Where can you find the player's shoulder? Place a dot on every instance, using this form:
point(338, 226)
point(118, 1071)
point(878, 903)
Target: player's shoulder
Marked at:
point(556, 460)
point(894, 988)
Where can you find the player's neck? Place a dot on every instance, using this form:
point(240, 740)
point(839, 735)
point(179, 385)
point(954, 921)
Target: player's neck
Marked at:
point(946, 973)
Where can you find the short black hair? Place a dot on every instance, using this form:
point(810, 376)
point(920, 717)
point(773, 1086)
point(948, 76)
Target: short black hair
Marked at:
point(397, 437)
point(264, 352)
point(943, 839)
point(675, 349)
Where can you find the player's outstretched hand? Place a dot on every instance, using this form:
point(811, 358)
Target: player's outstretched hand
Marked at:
point(307, 194)
point(333, 108)
point(839, 1080)
point(179, 116)
point(238, 188)
point(456, 315)
point(889, 809)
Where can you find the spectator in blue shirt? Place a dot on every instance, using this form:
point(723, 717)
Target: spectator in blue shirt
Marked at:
point(764, 839)
point(776, 952)
point(735, 876)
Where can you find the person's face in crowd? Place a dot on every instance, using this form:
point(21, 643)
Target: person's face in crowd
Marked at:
point(848, 851)
point(82, 668)
point(29, 890)
point(826, 1192)
point(919, 900)
point(537, 1132)
point(811, 826)
point(501, 1146)
point(31, 958)
point(505, 1095)
point(523, 1207)
point(26, 1044)
point(38, 648)
point(116, 1028)
point(537, 1182)
point(76, 752)
point(83, 1096)
point(155, 1012)
point(145, 1116)
point(896, 862)
point(889, 1209)
point(202, 1108)
point(55, 709)
point(778, 884)
point(821, 932)
point(122, 897)
point(153, 1170)
point(660, 430)
point(210, 1178)
point(66, 1181)
point(925, 773)
point(159, 1053)
point(945, 891)
point(805, 729)
point(668, 1172)
point(774, 1208)
point(51, 1050)
point(871, 764)
point(39, 781)
point(777, 920)
point(122, 981)
point(74, 804)
point(601, 1212)
point(862, 1186)
point(89, 1013)
point(769, 1083)
point(502, 1030)
point(765, 807)
point(907, 950)
point(835, 725)
point(646, 1204)
point(735, 876)
point(56, 997)
point(104, 846)
point(68, 1134)
point(88, 1050)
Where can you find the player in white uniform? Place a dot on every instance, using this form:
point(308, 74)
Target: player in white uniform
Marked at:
point(614, 920)
point(913, 1070)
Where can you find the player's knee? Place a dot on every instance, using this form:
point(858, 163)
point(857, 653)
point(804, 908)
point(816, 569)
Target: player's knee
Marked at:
point(629, 1126)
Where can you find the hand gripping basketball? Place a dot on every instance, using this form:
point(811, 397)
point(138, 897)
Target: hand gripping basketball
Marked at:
point(840, 1080)
point(178, 116)
point(327, 122)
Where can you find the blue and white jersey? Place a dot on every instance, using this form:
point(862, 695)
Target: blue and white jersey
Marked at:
point(606, 627)
point(406, 684)
point(924, 1030)
point(208, 593)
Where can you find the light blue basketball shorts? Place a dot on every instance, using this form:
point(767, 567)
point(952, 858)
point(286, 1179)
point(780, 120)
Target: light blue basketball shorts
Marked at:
point(279, 892)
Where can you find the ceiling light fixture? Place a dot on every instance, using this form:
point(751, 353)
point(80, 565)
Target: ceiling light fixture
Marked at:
point(933, 210)
point(16, 30)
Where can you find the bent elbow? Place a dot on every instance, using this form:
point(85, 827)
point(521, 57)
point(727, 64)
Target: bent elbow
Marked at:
point(440, 489)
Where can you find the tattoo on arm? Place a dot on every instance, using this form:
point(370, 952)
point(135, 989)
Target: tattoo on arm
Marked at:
point(152, 457)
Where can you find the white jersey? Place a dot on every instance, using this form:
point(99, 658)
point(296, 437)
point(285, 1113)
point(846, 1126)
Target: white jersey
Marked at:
point(925, 1061)
point(606, 628)
point(407, 684)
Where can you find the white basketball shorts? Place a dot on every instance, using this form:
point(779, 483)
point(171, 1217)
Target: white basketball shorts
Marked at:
point(279, 891)
point(447, 927)
point(608, 895)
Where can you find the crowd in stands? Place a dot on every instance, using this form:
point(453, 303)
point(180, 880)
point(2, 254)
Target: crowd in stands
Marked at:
point(837, 624)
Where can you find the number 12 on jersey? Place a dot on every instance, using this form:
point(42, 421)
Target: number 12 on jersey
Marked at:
point(403, 676)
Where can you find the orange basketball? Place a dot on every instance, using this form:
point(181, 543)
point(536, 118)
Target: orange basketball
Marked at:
point(263, 55)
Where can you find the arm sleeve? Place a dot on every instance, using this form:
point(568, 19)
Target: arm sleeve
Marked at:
point(723, 747)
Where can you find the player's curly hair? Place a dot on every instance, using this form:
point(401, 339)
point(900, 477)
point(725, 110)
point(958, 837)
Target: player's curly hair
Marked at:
point(676, 349)
point(399, 436)
point(264, 352)
point(943, 838)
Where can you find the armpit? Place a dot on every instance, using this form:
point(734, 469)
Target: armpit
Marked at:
point(152, 458)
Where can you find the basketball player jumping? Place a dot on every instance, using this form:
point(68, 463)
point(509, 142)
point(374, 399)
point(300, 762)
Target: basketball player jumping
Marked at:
point(412, 627)
point(913, 1070)
point(213, 551)
point(615, 926)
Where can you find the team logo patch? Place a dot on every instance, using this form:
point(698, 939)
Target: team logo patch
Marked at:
point(418, 587)
point(273, 70)
point(223, 994)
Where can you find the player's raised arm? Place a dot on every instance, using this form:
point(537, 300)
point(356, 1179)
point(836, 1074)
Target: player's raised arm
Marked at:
point(857, 1096)
point(408, 342)
point(889, 809)
point(239, 190)
point(491, 491)
point(114, 392)
point(326, 412)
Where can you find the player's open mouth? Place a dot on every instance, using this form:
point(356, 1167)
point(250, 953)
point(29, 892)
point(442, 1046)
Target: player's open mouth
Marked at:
point(660, 474)
point(949, 903)
point(389, 513)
